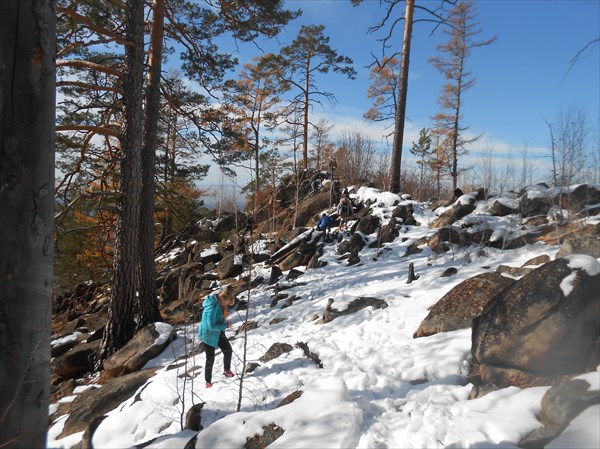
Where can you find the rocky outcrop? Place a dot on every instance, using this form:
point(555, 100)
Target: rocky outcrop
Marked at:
point(544, 326)
point(464, 302)
point(461, 208)
point(96, 401)
point(145, 345)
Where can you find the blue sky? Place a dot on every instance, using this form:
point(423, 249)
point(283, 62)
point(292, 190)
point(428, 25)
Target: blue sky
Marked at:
point(521, 79)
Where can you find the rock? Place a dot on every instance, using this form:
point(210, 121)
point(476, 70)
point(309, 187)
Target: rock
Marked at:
point(367, 224)
point(329, 314)
point(275, 351)
point(459, 306)
point(276, 273)
point(250, 367)
point(580, 242)
point(406, 213)
point(581, 196)
point(145, 345)
point(451, 271)
point(290, 398)
point(294, 274)
point(387, 233)
point(565, 400)
point(76, 361)
point(560, 405)
point(535, 200)
point(193, 417)
point(499, 209)
point(460, 209)
point(270, 434)
point(514, 271)
point(246, 326)
point(542, 327)
point(438, 242)
point(96, 401)
point(62, 345)
point(353, 246)
point(308, 353)
point(230, 266)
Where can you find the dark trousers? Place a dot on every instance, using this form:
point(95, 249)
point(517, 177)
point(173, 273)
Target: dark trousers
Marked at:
point(224, 346)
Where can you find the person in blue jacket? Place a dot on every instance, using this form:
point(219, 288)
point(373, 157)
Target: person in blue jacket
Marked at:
point(325, 223)
point(212, 332)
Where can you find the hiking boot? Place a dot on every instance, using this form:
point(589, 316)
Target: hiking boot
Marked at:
point(228, 373)
point(208, 385)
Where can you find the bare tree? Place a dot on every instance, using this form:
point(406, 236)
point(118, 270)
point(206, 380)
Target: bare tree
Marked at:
point(297, 66)
point(322, 145)
point(568, 138)
point(451, 64)
point(355, 157)
point(27, 142)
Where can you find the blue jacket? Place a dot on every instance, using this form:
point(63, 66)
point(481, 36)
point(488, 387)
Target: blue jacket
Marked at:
point(212, 323)
point(325, 222)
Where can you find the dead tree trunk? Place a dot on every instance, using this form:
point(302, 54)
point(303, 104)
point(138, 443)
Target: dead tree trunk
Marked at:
point(402, 94)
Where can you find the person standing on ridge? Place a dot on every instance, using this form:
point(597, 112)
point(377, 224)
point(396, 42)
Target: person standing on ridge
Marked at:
point(212, 332)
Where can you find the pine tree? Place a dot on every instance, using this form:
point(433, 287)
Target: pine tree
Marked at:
point(297, 66)
point(422, 150)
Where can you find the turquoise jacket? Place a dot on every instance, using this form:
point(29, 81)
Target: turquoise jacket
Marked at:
point(212, 323)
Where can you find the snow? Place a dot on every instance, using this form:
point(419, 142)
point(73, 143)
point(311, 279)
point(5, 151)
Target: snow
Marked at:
point(164, 332)
point(210, 251)
point(66, 339)
point(578, 261)
point(583, 262)
point(379, 387)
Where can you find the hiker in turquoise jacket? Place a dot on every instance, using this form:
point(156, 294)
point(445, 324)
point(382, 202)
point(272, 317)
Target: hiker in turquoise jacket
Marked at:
point(212, 332)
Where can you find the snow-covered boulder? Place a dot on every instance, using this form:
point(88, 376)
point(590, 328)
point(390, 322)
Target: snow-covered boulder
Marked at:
point(544, 326)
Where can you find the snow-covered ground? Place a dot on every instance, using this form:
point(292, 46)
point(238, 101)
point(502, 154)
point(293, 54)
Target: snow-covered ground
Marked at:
point(378, 388)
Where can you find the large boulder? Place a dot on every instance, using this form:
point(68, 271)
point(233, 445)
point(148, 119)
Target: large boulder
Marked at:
point(439, 241)
point(406, 213)
point(231, 266)
point(535, 200)
point(144, 346)
point(75, 362)
point(581, 241)
point(96, 401)
point(461, 208)
point(546, 325)
point(464, 302)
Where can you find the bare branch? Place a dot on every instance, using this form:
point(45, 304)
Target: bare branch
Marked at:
point(89, 86)
point(80, 64)
point(113, 131)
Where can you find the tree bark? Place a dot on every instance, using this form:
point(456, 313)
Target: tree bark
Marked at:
point(402, 94)
point(120, 326)
point(149, 311)
point(305, 117)
point(27, 141)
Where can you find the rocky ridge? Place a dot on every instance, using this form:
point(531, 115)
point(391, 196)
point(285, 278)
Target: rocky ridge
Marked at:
point(199, 259)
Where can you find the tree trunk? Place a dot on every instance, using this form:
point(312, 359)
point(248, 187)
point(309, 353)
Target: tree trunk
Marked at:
point(149, 311)
point(121, 326)
point(305, 120)
point(27, 140)
point(402, 94)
